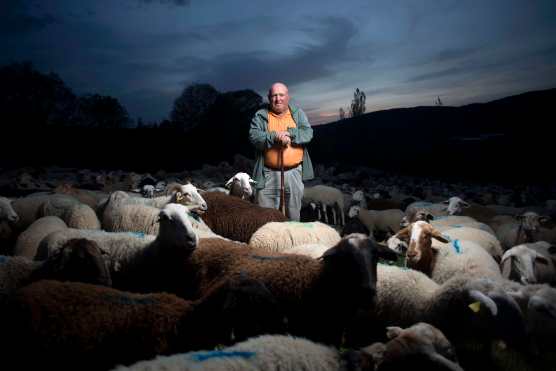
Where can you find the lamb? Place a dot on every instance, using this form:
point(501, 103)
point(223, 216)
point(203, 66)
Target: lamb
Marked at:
point(281, 352)
point(240, 186)
point(28, 241)
point(381, 223)
point(326, 196)
point(132, 258)
point(441, 262)
point(310, 292)
point(282, 236)
point(73, 325)
point(236, 219)
point(526, 263)
point(77, 260)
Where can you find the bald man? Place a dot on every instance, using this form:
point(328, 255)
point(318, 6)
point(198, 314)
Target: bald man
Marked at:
point(281, 125)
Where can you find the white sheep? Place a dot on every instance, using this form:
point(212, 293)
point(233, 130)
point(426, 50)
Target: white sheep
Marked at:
point(436, 256)
point(7, 212)
point(452, 206)
point(519, 230)
point(28, 241)
point(282, 236)
point(312, 250)
point(486, 240)
point(529, 263)
point(130, 256)
point(326, 196)
point(240, 186)
point(458, 221)
point(74, 213)
point(381, 223)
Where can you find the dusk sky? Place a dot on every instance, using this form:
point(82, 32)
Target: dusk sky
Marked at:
point(400, 53)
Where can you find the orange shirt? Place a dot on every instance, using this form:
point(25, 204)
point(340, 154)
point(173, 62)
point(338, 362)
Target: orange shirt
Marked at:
point(293, 154)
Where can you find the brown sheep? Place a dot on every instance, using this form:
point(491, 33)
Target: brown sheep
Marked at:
point(76, 326)
point(317, 296)
point(236, 219)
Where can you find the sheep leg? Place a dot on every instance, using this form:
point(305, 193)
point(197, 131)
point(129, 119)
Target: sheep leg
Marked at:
point(325, 213)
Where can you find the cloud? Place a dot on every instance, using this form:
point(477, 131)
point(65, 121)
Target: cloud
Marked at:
point(309, 60)
point(16, 18)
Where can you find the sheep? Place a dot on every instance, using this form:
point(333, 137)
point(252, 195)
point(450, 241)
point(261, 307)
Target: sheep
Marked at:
point(441, 262)
point(381, 223)
point(486, 240)
point(240, 186)
point(74, 213)
point(77, 260)
point(282, 236)
point(520, 230)
point(326, 196)
point(313, 250)
point(310, 292)
point(420, 342)
point(130, 257)
point(74, 325)
point(453, 221)
point(452, 206)
point(120, 214)
point(186, 194)
point(406, 296)
point(7, 212)
point(91, 198)
point(358, 198)
point(236, 219)
point(148, 191)
point(526, 263)
point(28, 241)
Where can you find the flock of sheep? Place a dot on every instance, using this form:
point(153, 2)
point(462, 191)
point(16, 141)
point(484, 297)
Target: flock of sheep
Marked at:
point(126, 271)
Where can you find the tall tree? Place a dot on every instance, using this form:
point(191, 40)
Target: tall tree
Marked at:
point(98, 111)
point(192, 105)
point(29, 98)
point(342, 113)
point(358, 103)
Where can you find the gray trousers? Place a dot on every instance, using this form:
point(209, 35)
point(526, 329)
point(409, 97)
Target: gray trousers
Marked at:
point(269, 196)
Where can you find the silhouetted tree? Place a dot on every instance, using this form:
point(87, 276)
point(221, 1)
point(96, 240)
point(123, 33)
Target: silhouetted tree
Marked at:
point(98, 111)
point(193, 103)
point(29, 98)
point(358, 103)
point(438, 101)
point(342, 113)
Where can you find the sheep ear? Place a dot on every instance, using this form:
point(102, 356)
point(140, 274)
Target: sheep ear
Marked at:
point(229, 182)
point(446, 202)
point(438, 236)
point(404, 233)
point(393, 331)
point(541, 258)
point(179, 196)
point(544, 219)
point(429, 217)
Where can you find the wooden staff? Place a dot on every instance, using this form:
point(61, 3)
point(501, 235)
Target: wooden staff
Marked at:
point(282, 186)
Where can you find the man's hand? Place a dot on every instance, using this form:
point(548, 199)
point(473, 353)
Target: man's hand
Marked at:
point(283, 137)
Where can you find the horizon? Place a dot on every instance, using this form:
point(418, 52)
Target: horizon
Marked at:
point(402, 55)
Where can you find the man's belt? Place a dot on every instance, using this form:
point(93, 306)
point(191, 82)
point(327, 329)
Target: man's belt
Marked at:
point(286, 168)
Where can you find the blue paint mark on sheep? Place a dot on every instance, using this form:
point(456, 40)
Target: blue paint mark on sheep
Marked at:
point(457, 246)
point(138, 234)
point(201, 357)
point(302, 224)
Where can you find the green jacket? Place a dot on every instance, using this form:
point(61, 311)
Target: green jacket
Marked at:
point(262, 139)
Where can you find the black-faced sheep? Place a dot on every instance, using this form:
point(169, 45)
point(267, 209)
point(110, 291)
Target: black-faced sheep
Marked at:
point(310, 292)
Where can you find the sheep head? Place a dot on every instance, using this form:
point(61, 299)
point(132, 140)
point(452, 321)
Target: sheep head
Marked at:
point(7, 213)
point(176, 230)
point(519, 264)
point(420, 253)
point(240, 185)
point(354, 259)
point(189, 196)
point(455, 205)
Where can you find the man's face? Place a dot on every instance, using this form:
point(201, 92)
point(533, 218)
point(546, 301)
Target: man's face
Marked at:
point(278, 98)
